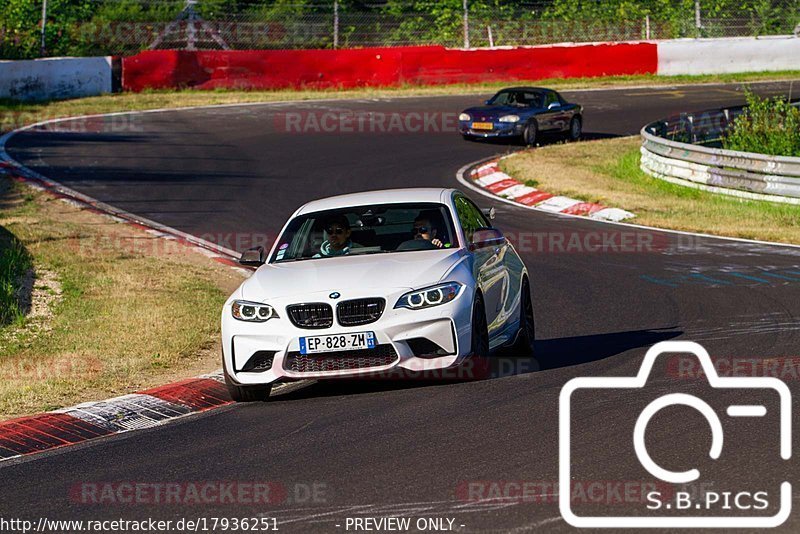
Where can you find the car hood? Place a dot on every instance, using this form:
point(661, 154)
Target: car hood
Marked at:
point(391, 271)
point(486, 113)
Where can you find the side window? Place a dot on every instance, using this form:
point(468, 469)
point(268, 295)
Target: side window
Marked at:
point(534, 100)
point(470, 216)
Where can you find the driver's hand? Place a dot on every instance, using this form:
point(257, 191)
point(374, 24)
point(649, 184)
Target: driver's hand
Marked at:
point(437, 243)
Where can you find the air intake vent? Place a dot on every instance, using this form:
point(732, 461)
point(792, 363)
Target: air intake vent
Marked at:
point(260, 361)
point(360, 311)
point(315, 315)
point(380, 356)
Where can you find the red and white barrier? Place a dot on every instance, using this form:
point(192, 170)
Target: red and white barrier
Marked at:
point(362, 67)
point(435, 65)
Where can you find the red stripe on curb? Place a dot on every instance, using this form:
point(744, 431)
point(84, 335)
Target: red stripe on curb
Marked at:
point(197, 393)
point(533, 198)
point(583, 208)
point(485, 171)
point(43, 432)
point(502, 184)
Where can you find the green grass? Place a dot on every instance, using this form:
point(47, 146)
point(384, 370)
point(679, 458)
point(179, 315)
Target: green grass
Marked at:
point(128, 316)
point(14, 263)
point(607, 171)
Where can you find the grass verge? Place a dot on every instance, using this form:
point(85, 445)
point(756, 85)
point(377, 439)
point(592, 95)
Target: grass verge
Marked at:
point(132, 311)
point(607, 172)
point(15, 114)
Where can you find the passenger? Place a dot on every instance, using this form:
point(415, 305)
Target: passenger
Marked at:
point(424, 228)
point(338, 243)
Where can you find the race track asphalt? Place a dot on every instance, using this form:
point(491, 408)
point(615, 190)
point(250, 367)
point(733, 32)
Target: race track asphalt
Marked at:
point(385, 449)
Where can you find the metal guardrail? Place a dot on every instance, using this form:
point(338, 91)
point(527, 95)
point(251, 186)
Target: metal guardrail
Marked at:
point(685, 150)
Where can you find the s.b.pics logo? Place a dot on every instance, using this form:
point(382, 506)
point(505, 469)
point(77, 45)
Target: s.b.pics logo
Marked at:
point(713, 454)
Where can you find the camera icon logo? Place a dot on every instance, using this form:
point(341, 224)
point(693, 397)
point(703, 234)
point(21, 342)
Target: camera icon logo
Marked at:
point(707, 516)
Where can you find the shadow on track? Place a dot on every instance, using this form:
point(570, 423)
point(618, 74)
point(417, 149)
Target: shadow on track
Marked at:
point(550, 354)
point(544, 139)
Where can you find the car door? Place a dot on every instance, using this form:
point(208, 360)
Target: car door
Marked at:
point(554, 116)
point(488, 266)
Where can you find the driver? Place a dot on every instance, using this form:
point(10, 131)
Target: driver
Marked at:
point(424, 229)
point(337, 228)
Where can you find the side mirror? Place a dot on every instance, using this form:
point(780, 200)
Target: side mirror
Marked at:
point(489, 212)
point(487, 102)
point(253, 257)
point(553, 105)
point(486, 237)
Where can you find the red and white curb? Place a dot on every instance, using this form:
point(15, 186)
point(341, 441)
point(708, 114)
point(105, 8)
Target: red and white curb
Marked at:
point(143, 409)
point(489, 177)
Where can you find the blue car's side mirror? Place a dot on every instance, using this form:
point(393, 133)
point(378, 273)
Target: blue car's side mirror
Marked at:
point(487, 102)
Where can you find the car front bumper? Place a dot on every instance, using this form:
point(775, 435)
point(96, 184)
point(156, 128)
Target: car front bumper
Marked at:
point(397, 332)
point(499, 129)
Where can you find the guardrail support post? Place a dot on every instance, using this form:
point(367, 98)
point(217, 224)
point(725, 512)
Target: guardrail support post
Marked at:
point(44, 23)
point(466, 25)
point(336, 23)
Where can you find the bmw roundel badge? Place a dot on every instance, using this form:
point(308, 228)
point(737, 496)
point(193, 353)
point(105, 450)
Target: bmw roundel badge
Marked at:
point(335, 295)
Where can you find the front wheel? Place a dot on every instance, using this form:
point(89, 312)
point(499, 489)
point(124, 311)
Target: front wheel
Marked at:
point(575, 128)
point(477, 366)
point(480, 330)
point(530, 133)
point(238, 393)
point(527, 334)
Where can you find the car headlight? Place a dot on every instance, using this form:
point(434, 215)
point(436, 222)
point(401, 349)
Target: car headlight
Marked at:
point(509, 118)
point(429, 296)
point(253, 312)
point(464, 117)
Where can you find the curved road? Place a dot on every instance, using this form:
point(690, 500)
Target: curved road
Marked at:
point(233, 174)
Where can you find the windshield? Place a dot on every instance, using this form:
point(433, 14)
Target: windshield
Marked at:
point(517, 98)
point(366, 230)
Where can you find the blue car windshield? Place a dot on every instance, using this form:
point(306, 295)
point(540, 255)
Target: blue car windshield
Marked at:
point(517, 98)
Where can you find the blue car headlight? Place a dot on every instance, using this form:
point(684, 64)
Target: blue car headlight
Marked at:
point(509, 118)
point(429, 296)
point(464, 117)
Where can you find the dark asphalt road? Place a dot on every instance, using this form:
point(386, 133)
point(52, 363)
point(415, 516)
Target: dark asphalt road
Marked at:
point(389, 449)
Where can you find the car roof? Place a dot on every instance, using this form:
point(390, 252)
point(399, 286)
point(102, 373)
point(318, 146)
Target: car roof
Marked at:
point(526, 89)
point(385, 196)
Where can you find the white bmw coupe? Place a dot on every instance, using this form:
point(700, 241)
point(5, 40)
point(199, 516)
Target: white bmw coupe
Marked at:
point(401, 280)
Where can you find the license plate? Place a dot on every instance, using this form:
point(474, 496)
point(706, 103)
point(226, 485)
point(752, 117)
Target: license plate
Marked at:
point(482, 125)
point(334, 343)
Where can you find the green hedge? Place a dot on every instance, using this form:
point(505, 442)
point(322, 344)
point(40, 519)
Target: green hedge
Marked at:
point(768, 126)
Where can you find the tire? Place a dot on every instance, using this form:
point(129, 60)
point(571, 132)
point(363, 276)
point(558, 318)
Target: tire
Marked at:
point(466, 137)
point(480, 330)
point(575, 129)
point(477, 366)
point(523, 346)
point(530, 134)
point(247, 393)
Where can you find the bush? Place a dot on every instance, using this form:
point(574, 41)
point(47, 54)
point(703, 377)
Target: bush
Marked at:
point(768, 126)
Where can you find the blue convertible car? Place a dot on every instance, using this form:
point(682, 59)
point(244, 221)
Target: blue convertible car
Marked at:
point(522, 112)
